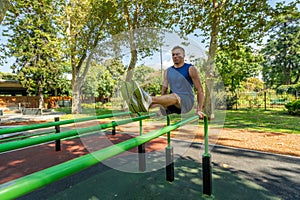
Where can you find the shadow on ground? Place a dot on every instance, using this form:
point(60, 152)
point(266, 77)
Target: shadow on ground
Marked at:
point(101, 182)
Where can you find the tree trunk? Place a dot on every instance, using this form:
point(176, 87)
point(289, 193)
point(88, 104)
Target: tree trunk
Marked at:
point(130, 70)
point(4, 5)
point(41, 95)
point(133, 59)
point(76, 101)
point(209, 100)
point(41, 100)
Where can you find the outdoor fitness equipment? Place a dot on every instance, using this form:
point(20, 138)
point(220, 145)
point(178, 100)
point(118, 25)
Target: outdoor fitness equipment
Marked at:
point(26, 184)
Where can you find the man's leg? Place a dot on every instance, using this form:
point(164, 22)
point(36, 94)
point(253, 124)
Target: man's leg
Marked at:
point(166, 100)
point(144, 100)
point(139, 101)
point(136, 98)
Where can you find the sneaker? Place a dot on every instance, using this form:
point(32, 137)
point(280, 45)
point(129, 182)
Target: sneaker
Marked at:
point(127, 95)
point(133, 105)
point(144, 100)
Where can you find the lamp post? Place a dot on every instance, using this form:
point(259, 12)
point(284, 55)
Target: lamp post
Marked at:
point(161, 63)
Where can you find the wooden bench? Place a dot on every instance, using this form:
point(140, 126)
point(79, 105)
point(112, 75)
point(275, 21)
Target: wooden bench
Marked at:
point(278, 101)
point(32, 111)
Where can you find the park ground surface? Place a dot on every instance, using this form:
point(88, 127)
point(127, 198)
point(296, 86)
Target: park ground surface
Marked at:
point(20, 163)
point(272, 142)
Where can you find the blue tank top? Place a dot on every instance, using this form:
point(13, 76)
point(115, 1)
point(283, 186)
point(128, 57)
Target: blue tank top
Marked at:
point(179, 79)
point(181, 83)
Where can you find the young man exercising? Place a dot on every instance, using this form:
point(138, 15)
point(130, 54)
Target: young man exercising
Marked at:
point(181, 78)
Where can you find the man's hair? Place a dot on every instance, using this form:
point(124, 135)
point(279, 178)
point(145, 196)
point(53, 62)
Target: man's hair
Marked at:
point(179, 47)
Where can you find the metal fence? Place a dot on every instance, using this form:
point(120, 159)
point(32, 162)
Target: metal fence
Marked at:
point(265, 100)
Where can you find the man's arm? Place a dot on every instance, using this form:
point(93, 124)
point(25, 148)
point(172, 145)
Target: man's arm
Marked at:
point(164, 87)
point(198, 86)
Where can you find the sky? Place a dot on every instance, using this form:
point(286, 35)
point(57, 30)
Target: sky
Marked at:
point(152, 61)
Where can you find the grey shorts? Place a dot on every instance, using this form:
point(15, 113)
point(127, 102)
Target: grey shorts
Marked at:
point(186, 104)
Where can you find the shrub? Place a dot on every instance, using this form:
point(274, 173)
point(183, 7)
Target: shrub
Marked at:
point(290, 89)
point(293, 107)
point(230, 102)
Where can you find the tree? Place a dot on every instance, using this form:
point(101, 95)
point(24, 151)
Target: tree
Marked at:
point(150, 78)
point(3, 8)
point(235, 66)
point(34, 42)
point(85, 23)
point(8, 76)
point(252, 84)
point(142, 21)
point(223, 23)
point(101, 80)
point(113, 72)
point(89, 88)
point(281, 64)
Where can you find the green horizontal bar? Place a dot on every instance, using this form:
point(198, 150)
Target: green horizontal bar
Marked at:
point(25, 136)
point(26, 184)
point(47, 138)
point(49, 124)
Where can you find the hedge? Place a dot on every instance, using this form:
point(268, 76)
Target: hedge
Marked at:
point(290, 89)
point(293, 107)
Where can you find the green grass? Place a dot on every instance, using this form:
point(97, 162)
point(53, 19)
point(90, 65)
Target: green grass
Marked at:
point(86, 112)
point(275, 120)
point(260, 120)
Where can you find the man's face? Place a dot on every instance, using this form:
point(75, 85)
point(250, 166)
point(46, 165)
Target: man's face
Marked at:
point(177, 56)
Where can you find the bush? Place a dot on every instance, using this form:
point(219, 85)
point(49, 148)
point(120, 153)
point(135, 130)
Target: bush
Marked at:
point(230, 102)
point(293, 107)
point(290, 89)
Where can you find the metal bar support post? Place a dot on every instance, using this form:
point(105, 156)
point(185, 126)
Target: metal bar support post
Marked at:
point(142, 151)
point(169, 156)
point(206, 163)
point(57, 130)
point(113, 131)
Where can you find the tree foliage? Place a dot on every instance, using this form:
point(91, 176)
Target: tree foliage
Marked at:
point(8, 76)
point(34, 42)
point(235, 66)
point(150, 78)
point(44, 33)
point(141, 21)
point(102, 79)
point(84, 23)
point(224, 24)
point(281, 53)
point(252, 85)
point(112, 75)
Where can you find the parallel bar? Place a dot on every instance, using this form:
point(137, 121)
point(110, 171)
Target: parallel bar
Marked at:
point(51, 137)
point(25, 136)
point(206, 164)
point(26, 184)
point(49, 124)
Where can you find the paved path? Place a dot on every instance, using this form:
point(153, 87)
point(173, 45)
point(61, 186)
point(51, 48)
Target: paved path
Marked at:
point(276, 173)
point(237, 174)
point(19, 117)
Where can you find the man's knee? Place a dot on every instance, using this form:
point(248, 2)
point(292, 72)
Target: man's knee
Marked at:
point(177, 99)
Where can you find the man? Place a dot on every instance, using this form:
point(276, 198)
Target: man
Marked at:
point(181, 77)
